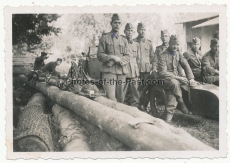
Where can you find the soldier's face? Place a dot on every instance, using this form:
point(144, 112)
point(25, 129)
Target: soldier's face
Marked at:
point(215, 48)
point(165, 38)
point(58, 63)
point(129, 33)
point(196, 46)
point(141, 32)
point(116, 24)
point(174, 46)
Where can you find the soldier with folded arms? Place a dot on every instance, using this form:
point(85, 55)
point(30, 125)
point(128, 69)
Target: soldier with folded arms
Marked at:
point(114, 55)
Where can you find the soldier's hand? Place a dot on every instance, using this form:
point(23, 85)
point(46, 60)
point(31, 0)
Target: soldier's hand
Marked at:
point(110, 63)
point(117, 59)
point(192, 82)
point(183, 80)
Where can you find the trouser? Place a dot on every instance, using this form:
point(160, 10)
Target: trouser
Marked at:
point(114, 91)
point(174, 86)
point(211, 79)
point(170, 101)
point(144, 100)
point(131, 93)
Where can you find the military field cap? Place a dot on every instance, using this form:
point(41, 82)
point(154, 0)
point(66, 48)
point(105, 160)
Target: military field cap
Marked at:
point(59, 59)
point(43, 54)
point(129, 26)
point(164, 32)
point(141, 26)
point(73, 56)
point(116, 17)
point(195, 40)
point(174, 39)
point(214, 41)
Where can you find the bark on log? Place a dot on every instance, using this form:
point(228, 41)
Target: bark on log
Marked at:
point(97, 139)
point(72, 133)
point(33, 131)
point(136, 113)
point(121, 125)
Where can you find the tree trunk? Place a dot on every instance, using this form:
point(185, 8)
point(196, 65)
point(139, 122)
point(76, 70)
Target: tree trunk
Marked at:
point(33, 132)
point(97, 139)
point(136, 133)
point(72, 133)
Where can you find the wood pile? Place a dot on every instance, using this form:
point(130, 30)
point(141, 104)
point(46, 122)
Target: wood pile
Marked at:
point(133, 128)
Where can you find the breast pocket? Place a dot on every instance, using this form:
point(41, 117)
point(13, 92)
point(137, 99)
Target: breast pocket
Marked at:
point(122, 48)
point(147, 51)
point(109, 48)
point(134, 53)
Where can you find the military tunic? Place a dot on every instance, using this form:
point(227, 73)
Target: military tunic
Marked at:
point(50, 68)
point(38, 63)
point(146, 54)
point(194, 61)
point(158, 51)
point(168, 66)
point(209, 65)
point(113, 44)
point(131, 92)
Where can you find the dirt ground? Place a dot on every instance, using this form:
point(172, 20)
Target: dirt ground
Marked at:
point(202, 128)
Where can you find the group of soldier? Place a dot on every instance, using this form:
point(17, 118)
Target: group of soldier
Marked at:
point(125, 58)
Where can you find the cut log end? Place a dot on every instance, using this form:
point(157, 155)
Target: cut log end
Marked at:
point(30, 144)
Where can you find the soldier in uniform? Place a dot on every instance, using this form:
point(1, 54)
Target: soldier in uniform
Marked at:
point(210, 64)
point(168, 63)
point(131, 92)
point(114, 55)
point(154, 75)
point(39, 61)
point(146, 58)
point(51, 66)
point(194, 56)
point(73, 71)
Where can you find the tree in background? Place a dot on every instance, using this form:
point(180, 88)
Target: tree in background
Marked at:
point(29, 28)
point(79, 31)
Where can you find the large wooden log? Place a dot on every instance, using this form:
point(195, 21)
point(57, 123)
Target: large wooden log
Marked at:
point(98, 139)
point(136, 113)
point(72, 133)
point(33, 132)
point(120, 125)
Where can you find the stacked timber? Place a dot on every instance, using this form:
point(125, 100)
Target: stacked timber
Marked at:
point(33, 130)
point(77, 134)
point(137, 133)
point(72, 136)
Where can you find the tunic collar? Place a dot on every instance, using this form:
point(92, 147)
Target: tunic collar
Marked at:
point(114, 34)
point(141, 39)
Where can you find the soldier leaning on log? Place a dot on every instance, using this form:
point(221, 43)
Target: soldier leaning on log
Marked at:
point(39, 61)
point(131, 92)
point(51, 68)
point(113, 53)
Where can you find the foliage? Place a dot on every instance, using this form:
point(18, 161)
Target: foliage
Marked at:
point(79, 31)
point(29, 28)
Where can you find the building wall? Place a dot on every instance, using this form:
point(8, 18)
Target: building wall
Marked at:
point(204, 33)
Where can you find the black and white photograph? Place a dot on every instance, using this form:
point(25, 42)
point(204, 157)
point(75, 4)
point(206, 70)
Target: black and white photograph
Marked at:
point(119, 80)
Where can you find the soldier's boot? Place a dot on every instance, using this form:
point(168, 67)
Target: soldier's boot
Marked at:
point(182, 106)
point(168, 118)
